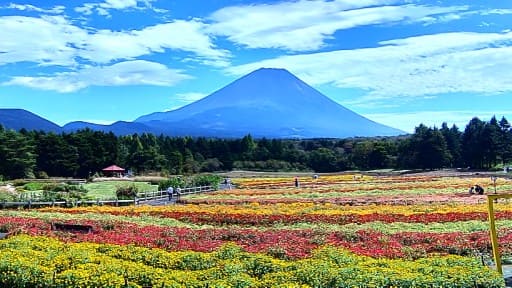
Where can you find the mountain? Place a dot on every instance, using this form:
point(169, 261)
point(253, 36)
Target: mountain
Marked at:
point(17, 119)
point(270, 103)
point(119, 127)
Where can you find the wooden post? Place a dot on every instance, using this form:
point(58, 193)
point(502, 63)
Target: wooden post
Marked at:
point(494, 236)
point(492, 226)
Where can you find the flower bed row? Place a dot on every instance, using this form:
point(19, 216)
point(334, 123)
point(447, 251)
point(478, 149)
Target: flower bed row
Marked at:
point(401, 199)
point(300, 209)
point(360, 182)
point(265, 216)
point(282, 243)
point(269, 219)
point(43, 262)
point(387, 228)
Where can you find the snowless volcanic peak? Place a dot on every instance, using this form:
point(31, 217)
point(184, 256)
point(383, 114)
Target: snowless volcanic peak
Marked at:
point(271, 103)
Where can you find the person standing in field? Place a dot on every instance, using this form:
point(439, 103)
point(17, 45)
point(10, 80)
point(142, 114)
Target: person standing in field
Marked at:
point(170, 191)
point(178, 194)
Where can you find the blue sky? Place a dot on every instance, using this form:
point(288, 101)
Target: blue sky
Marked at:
point(400, 63)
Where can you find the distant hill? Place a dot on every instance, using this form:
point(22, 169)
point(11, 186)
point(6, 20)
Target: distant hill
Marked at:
point(270, 103)
point(17, 119)
point(118, 128)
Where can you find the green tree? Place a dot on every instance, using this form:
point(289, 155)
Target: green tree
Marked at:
point(472, 143)
point(175, 161)
point(425, 149)
point(17, 155)
point(491, 138)
point(505, 146)
point(453, 139)
point(247, 147)
point(322, 160)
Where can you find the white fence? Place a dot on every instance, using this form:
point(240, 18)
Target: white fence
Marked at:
point(157, 195)
point(139, 199)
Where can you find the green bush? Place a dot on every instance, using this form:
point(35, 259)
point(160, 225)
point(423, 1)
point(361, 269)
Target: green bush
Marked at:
point(34, 186)
point(127, 192)
point(23, 263)
point(172, 182)
point(191, 181)
point(8, 197)
point(19, 182)
point(206, 180)
point(62, 192)
point(42, 175)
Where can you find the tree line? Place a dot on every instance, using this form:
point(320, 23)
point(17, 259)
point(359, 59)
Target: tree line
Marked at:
point(27, 154)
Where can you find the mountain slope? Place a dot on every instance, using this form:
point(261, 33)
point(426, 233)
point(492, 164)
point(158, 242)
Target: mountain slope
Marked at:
point(118, 128)
point(269, 103)
point(18, 119)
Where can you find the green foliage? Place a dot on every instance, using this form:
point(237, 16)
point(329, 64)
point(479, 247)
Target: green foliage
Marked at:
point(425, 149)
point(127, 192)
point(34, 186)
point(174, 182)
point(23, 263)
point(17, 155)
point(62, 192)
point(206, 180)
point(63, 187)
point(191, 181)
point(42, 175)
point(7, 197)
point(84, 153)
point(107, 190)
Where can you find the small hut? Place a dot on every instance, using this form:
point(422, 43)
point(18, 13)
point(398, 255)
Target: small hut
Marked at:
point(113, 171)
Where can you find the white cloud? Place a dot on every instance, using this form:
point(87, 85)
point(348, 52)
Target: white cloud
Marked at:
point(95, 121)
point(48, 44)
point(496, 11)
point(86, 9)
point(103, 8)
point(56, 41)
point(190, 97)
point(105, 45)
point(119, 4)
point(27, 7)
point(409, 67)
point(428, 20)
point(305, 25)
point(136, 72)
point(407, 121)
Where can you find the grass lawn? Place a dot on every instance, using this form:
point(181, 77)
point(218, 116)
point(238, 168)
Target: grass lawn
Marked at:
point(107, 190)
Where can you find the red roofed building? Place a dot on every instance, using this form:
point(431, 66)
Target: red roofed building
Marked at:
point(113, 171)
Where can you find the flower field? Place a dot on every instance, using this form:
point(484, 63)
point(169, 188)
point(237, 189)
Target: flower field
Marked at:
point(335, 231)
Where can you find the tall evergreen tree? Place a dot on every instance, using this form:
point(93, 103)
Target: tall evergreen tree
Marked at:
point(426, 149)
point(491, 141)
point(453, 138)
point(17, 154)
point(472, 143)
point(56, 157)
point(505, 147)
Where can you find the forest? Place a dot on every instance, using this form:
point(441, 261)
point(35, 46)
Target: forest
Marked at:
point(37, 154)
